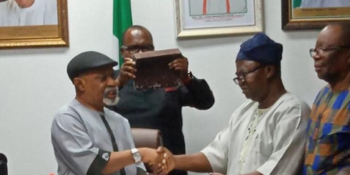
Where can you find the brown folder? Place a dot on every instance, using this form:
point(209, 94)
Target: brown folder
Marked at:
point(153, 69)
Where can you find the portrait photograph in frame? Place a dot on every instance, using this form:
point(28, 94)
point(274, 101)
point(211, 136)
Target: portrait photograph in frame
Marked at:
point(313, 14)
point(43, 23)
point(216, 18)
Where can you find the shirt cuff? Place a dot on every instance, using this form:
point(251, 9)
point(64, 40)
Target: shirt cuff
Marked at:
point(267, 168)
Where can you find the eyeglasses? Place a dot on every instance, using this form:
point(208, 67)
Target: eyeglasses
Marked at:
point(134, 49)
point(320, 50)
point(242, 76)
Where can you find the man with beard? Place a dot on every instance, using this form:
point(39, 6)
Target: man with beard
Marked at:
point(265, 135)
point(89, 138)
point(328, 146)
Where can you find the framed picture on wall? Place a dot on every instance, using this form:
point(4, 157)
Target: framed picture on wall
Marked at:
point(33, 23)
point(313, 14)
point(211, 18)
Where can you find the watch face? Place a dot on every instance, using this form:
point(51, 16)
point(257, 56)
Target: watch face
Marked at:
point(136, 155)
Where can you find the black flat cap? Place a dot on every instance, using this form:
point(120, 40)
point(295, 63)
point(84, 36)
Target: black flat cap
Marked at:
point(87, 61)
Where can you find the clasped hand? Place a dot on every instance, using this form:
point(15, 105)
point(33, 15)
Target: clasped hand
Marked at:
point(161, 161)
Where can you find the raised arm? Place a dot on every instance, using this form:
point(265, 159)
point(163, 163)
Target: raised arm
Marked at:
point(197, 92)
point(126, 72)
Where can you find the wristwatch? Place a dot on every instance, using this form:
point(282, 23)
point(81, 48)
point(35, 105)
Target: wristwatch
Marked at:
point(188, 78)
point(136, 155)
point(189, 74)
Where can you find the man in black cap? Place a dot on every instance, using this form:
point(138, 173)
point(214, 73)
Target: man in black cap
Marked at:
point(266, 134)
point(89, 138)
point(159, 108)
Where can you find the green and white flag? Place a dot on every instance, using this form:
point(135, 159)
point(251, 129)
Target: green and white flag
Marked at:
point(122, 19)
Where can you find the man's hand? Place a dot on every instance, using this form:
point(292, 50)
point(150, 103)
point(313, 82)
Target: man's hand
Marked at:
point(127, 71)
point(150, 156)
point(181, 65)
point(157, 169)
point(154, 159)
point(168, 161)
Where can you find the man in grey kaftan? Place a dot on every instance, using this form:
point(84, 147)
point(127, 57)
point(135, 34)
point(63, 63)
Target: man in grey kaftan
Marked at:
point(87, 137)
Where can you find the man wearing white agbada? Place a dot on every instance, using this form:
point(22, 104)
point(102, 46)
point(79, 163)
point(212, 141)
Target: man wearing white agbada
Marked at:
point(267, 134)
point(28, 13)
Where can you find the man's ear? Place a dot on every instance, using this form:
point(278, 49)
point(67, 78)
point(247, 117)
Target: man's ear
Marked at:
point(79, 83)
point(270, 71)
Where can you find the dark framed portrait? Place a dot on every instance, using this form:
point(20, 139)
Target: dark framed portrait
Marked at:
point(313, 14)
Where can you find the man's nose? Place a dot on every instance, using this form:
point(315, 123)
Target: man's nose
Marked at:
point(316, 56)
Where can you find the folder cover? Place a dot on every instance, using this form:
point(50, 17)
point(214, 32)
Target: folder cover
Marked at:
point(153, 69)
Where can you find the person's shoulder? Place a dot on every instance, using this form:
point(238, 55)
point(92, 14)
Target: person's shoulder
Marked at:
point(246, 106)
point(290, 102)
point(325, 88)
point(323, 91)
point(115, 115)
point(51, 3)
point(48, 2)
point(67, 110)
point(3, 7)
point(290, 98)
point(3, 4)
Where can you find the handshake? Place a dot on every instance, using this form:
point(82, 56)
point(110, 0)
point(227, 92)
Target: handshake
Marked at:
point(161, 161)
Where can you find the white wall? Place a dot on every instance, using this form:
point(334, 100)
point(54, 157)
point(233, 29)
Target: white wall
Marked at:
point(35, 84)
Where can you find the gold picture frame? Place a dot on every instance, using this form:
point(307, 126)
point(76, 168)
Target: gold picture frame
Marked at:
point(297, 17)
point(233, 21)
point(38, 36)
